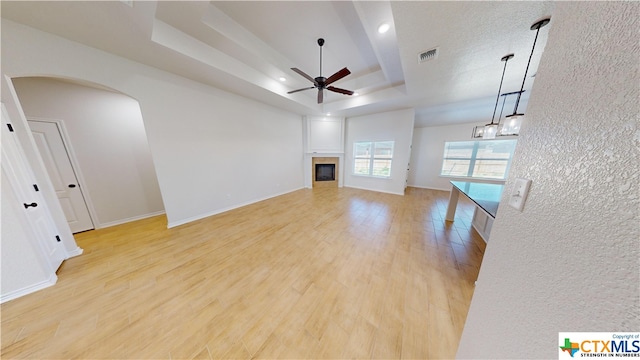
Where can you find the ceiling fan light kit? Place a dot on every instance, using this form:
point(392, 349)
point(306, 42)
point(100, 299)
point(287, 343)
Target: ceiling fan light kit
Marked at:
point(511, 126)
point(321, 83)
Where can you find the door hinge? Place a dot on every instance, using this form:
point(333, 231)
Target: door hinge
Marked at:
point(58, 238)
point(10, 127)
point(36, 187)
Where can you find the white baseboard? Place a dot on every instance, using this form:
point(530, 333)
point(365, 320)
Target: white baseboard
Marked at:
point(29, 289)
point(429, 188)
point(382, 191)
point(220, 211)
point(133, 218)
point(479, 232)
point(76, 252)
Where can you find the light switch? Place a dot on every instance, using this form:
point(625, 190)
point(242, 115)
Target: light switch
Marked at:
point(519, 194)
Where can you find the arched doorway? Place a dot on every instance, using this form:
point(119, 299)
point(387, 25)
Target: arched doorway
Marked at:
point(101, 137)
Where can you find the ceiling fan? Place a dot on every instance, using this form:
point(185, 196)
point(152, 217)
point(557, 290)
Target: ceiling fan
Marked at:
point(322, 83)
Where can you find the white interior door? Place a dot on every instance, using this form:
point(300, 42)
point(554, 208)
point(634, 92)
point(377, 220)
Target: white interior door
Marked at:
point(18, 188)
point(56, 160)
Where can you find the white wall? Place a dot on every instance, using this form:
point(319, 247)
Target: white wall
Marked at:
point(569, 261)
point(212, 150)
point(217, 151)
point(107, 135)
point(393, 125)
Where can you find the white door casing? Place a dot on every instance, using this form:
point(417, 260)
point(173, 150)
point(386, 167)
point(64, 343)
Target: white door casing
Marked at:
point(56, 159)
point(22, 183)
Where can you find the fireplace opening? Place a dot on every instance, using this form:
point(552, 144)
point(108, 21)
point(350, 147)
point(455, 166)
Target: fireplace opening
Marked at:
point(325, 172)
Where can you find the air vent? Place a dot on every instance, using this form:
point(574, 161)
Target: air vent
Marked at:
point(427, 55)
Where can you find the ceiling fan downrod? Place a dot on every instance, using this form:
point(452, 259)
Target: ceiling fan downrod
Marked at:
point(321, 42)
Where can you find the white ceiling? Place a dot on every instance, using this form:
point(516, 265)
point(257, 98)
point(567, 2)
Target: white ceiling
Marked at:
point(245, 46)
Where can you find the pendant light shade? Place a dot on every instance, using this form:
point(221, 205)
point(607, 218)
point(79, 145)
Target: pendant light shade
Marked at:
point(490, 131)
point(511, 125)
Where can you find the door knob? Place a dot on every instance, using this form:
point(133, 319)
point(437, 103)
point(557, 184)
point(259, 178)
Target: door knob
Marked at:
point(72, 185)
point(26, 206)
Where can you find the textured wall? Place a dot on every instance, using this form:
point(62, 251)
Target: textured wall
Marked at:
point(570, 260)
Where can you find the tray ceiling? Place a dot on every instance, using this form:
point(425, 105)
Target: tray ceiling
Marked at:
point(245, 47)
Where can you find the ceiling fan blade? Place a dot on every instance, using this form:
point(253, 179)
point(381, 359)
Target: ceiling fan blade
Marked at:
point(337, 76)
point(341, 91)
point(304, 75)
point(320, 96)
point(293, 91)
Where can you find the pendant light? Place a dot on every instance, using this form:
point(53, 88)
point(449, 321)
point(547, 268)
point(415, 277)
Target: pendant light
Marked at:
point(490, 130)
point(512, 122)
point(502, 130)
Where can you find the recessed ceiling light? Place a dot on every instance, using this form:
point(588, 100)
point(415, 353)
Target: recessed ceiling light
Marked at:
point(383, 28)
point(282, 78)
point(355, 94)
point(328, 114)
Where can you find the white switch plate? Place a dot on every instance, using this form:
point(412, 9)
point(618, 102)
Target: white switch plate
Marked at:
point(519, 194)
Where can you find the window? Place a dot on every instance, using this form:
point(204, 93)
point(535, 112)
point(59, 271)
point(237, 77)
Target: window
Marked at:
point(477, 159)
point(372, 158)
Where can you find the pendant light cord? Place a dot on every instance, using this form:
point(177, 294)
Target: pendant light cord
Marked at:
point(515, 109)
point(506, 59)
point(502, 109)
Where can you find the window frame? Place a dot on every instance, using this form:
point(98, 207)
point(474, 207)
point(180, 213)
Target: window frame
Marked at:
point(473, 158)
point(372, 158)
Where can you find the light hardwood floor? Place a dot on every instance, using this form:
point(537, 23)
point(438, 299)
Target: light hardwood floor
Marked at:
point(323, 273)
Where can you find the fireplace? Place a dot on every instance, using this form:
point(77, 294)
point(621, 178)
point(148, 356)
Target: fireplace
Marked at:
point(325, 172)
